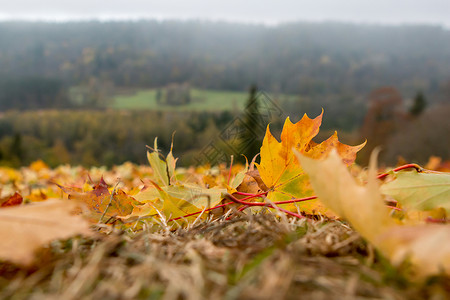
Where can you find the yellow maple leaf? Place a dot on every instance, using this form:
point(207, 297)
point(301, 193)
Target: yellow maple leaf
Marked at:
point(280, 170)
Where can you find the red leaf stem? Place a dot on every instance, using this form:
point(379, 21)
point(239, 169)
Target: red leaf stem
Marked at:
point(242, 208)
point(249, 194)
point(408, 166)
point(198, 212)
point(232, 198)
point(438, 221)
point(393, 207)
point(295, 200)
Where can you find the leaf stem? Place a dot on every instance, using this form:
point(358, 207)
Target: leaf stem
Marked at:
point(249, 194)
point(248, 204)
point(407, 166)
point(198, 212)
point(232, 198)
point(393, 207)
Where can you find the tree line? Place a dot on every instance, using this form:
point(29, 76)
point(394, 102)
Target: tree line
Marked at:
point(312, 59)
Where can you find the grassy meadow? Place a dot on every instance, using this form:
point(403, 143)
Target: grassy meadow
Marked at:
point(201, 100)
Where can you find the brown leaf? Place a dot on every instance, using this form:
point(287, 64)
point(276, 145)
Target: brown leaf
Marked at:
point(100, 200)
point(252, 183)
point(13, 200)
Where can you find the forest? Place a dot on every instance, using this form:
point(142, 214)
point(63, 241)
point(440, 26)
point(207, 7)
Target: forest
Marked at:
point(85, 67)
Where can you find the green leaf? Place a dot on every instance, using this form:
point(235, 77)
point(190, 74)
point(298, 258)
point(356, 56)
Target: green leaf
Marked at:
point(171, 163)
point(422, 191)
point(196, 195)
point(177, 200)
point(158, 165)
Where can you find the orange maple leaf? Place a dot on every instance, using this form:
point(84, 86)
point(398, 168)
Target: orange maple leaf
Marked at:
point(280, 170)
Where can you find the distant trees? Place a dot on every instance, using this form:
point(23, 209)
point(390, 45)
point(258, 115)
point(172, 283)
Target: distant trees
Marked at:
point(93, 94)
point(95, 137)
point(426, 135)
point(32, 93)
point(327, 65)
point(384, 117)
point(175, 94)
point(412, 135)
point(326, 59)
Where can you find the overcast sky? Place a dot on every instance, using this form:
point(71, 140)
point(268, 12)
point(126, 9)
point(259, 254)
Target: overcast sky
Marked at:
point(270, 12)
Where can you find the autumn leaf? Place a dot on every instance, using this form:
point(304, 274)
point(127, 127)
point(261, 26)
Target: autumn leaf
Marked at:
point(171, 164)
point(13, 200)
point(238, 178)
point(100, 202)
point(176, 200)
point(419, 190)
point(280, 170)
point(252, 183)
point(362, 206)
point(39, 195)
point(167, 197)
point(23, 229)
point(38, 165)
point(426, 246)
point(160, 167)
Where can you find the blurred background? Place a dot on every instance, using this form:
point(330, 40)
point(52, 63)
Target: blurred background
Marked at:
point(93, 82)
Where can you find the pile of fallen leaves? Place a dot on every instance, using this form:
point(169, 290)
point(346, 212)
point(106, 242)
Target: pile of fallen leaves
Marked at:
point(269, 230)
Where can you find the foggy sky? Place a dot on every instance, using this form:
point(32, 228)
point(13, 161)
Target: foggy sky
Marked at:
point(269, 12)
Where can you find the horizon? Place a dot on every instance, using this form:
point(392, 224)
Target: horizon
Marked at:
point(218, 21)
point(269, 13)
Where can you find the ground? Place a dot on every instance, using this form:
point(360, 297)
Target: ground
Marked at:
point(260, 256)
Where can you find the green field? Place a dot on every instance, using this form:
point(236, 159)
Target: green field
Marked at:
point(201, 100)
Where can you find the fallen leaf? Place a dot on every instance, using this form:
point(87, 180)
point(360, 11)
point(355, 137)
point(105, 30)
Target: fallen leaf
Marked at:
point(171, 163)
point(160, 168)
point(362, 206)
point(38, 165)
point(13, 200)
point(169, 198)
point(281, 171)
point(419, 190)
point(177, 200)
point(37, 196)
point(426, 246)
point(238, 179)
point(100, 202)
point(23, 229)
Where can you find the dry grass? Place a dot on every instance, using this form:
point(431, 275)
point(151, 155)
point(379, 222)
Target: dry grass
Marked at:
point(248, 257)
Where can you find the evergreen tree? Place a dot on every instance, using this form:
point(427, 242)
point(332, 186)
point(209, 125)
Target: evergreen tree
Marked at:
point(253, 130)
point(419, 104)
point(158, 96)
point(17, 154)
